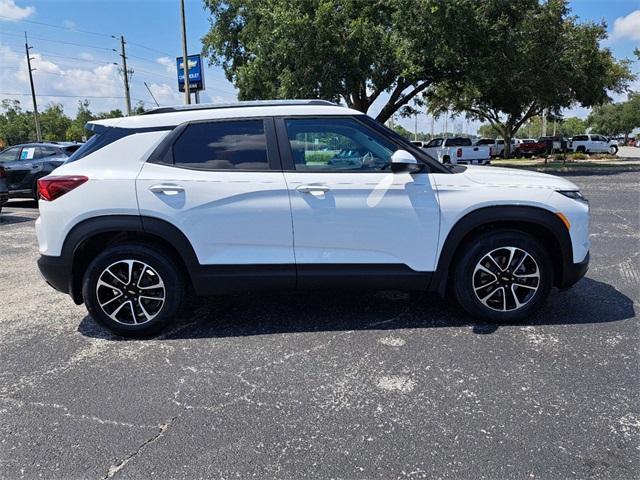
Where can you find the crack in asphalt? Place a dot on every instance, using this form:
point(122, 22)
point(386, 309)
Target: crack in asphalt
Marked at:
point(115, 468)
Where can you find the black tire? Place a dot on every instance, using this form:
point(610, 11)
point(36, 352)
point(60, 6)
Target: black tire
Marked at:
point(159, 264)
point(446, 160)
point(466, 273)
point(581, 149)
point(613, 150)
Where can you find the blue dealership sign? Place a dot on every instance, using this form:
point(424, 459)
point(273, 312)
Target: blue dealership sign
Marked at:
point(196, 73)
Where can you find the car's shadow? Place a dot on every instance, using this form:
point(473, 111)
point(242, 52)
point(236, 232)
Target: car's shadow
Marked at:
point(7, 218)
point(590, 301)
point(22, 203)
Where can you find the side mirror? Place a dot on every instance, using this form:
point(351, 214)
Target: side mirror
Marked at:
point(403, 161)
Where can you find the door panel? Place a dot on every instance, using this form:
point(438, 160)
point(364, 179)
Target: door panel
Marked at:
point(372, 218)
point(347, 207)
point(229, 217)
point(225, 190)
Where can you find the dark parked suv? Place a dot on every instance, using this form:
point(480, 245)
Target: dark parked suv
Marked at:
point(25, 164)
point(4, 192)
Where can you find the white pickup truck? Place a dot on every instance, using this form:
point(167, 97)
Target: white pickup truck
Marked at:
point(457, 150)
point(593, 143)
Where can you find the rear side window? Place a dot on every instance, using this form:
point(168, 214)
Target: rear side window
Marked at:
point(42, 152)
point(104, 136)
point(227, 145)
point(458, 142)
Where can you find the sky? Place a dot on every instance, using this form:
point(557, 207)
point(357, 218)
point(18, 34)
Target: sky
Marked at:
point(76, 46)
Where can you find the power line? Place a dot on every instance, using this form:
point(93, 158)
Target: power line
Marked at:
point(70, 29)
point(43, 39)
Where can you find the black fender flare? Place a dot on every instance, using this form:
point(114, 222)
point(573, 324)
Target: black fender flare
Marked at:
point(503, 216)
point(93, 226)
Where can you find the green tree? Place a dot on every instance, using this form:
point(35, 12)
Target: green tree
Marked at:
point(400, 130)
point(616, 118)
point(568, 127)
point(76, 131)
point(352, 51)
point(526, 57)
point(54, 123)
point(488, 131)
point(116, 113)
point(16, 125)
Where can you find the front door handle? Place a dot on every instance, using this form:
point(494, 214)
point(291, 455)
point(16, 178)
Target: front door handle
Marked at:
point(167, 189)
point(311, 188)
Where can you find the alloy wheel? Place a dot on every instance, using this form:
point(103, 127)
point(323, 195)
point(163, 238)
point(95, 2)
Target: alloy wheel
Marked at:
point(506, 279)
point(130, 292)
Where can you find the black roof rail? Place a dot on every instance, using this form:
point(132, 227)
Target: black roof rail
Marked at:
point(251, 103)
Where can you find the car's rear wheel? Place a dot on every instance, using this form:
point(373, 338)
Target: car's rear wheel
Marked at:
point(133, 289)
point(503, 276)
point(613, 149)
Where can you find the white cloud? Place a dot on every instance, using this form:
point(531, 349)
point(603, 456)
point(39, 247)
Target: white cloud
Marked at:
point(12, 12)
point(627, 27)
point(166, 94)
point(169, 65)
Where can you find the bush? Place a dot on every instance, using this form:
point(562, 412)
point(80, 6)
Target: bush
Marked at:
point(578, 156)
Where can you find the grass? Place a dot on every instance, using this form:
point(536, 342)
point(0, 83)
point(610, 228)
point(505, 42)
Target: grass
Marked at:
point(572, 163)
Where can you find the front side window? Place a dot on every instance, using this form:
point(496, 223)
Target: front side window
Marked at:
point(227, 145)
point(10, 154)
point(436, 142)
point(337, 144)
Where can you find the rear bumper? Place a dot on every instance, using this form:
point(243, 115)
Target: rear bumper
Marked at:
point(56, 272)
point(574, 272)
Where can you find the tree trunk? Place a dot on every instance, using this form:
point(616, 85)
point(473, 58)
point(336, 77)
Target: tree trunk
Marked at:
point(508, 133)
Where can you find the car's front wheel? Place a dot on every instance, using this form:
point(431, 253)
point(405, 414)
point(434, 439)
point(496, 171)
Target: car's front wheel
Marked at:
point(133, 289)
point(502, 276)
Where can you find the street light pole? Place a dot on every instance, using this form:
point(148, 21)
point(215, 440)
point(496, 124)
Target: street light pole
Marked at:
point(185, 60)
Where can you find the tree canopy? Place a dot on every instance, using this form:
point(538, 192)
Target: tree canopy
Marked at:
point(334, 49)
point(616, 118)
point(17, 125)
point(527, 57)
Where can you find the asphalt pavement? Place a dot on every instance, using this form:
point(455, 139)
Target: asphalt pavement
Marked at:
point(344, 385)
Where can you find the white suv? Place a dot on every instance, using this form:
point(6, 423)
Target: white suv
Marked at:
point(294, 194)
point(593, 143)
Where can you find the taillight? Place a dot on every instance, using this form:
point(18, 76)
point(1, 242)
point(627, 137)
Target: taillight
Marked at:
point(50, 188)
point(459, 153)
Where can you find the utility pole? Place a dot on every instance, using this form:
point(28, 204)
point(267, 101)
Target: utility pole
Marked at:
point(125, 75)
point(185, 59)
point(33, 90)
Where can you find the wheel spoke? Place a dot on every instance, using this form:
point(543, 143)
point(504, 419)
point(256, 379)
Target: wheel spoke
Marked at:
point(515, 297)
point(512, 252)
point(486, 285)
point(524, 286)
point(102, 305)
point(487, 297)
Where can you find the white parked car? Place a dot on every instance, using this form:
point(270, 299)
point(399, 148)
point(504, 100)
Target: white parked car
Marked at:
point(458, 151)
point(593, 143)
point(294, 194)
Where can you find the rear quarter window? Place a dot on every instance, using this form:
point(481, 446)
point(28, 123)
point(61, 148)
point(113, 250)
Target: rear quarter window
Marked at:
point(222, 145)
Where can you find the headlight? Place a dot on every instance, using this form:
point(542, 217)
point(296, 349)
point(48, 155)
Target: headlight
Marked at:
point(573, 194)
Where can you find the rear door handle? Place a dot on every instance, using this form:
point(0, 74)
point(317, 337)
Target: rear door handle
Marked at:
point(311, 188)
point(167, 189)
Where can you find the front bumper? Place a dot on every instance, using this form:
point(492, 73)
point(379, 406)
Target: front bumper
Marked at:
point(574, 272)
point(56, 272)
